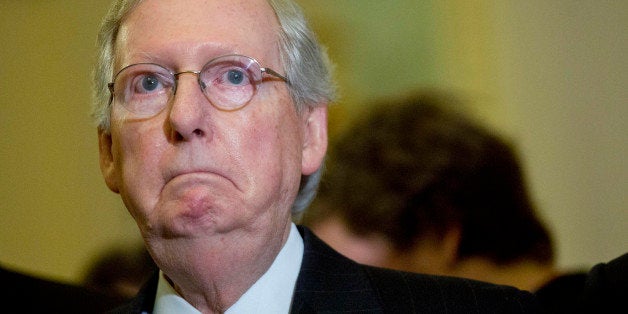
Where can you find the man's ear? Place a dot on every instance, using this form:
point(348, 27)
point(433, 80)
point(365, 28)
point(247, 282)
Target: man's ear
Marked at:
point(107, 163)
point(315, 139)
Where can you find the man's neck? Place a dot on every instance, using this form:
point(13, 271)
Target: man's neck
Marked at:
point(212, 275)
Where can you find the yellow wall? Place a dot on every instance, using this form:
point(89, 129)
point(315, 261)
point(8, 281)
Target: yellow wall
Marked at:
point(550, 74)
point(56, 211)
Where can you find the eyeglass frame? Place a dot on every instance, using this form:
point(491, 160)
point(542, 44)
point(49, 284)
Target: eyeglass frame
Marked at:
point(175, 76)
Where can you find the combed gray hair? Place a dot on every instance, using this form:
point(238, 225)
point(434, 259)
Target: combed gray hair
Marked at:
point(305, 62)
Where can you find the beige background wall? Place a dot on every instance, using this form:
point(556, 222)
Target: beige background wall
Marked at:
point(550, 74)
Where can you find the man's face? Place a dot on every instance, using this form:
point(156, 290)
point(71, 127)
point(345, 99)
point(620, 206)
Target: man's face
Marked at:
point(192, 170)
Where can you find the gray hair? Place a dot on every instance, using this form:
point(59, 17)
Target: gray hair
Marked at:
point(305, 62)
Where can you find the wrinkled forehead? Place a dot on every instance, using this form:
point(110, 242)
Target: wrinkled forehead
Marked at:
point(192, 27)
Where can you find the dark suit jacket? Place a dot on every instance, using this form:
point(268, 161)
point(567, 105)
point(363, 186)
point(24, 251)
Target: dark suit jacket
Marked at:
point(331, 283)
point(606, 287)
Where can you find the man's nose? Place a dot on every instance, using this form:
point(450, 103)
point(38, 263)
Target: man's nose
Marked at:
point(189, 110)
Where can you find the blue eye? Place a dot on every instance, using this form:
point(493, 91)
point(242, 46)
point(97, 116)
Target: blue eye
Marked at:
point(150, 83)
point(235, 77)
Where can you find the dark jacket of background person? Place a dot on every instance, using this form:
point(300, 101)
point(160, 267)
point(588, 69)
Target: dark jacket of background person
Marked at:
point(601, 290)
point(23, 293)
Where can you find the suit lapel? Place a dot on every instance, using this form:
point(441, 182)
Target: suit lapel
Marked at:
point(329, 281)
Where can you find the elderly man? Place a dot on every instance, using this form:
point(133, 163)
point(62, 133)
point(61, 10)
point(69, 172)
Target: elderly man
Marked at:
point(212, 126)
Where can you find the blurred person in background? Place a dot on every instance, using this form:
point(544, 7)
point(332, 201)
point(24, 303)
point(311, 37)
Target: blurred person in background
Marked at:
point(120, 271)
point(416, 185)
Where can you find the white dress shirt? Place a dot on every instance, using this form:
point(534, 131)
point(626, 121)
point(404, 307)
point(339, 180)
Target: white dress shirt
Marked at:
point(270, 294)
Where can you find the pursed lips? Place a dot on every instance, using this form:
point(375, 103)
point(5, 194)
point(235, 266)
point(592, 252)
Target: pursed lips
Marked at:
point(195, 175)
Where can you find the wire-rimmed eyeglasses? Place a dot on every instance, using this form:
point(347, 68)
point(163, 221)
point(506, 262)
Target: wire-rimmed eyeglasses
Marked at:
point(228, 82)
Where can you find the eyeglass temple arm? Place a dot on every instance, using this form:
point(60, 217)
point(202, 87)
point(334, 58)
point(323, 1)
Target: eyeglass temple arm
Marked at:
point(273, 73)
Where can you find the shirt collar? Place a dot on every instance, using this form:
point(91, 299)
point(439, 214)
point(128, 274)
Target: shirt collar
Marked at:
point(271, 293)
